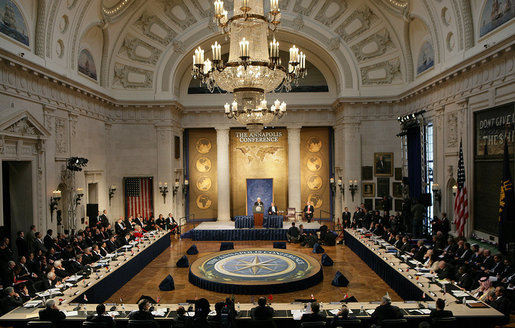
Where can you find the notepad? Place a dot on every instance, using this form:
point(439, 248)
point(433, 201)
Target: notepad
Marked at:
point(370, 311)
point(31, 304)
point(71, 313)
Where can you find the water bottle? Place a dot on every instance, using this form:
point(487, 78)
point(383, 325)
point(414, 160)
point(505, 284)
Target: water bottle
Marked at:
point(238, 307)
point(361, 309)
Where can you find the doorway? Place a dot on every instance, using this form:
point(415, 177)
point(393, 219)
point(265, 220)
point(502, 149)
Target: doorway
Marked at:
point(17, 197)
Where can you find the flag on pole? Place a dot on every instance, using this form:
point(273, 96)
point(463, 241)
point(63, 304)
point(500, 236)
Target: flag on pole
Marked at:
point(461, 212)
point(138, 197)
point(506, 201)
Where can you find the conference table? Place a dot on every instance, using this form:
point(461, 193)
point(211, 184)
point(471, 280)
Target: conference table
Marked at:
point(286, 314)
point(269, 221)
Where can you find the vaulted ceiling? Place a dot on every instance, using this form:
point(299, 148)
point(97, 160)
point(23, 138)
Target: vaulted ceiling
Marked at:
point(142, 49)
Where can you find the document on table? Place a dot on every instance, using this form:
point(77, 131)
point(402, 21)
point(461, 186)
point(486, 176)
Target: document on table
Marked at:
point(297, 314)
point(335, 311)
point(113, 313)
point(161, 312)
point(420, 311)
point(370, 311)
point(31, 304)
point(71, 313)
point(459, 293)
point(74, 278)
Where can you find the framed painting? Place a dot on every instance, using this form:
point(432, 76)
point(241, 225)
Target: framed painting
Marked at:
point(383, 164)
point(369, 189)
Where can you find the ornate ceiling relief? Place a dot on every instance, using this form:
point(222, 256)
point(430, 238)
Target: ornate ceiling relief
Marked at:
point(373, 46)
point(61, 144)
point(357, 23)
point(179, 13)
point(132, 77)
point(113, 9)
point(205, 8)
point(155, 29)
point(331, 11)
point(381, 73)
point(23, 127)
point(304, 7)
point(140, 51)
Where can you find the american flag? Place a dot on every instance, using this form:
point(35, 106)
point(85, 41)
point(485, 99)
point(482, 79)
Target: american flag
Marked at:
point(138, 197)
point(461, 212)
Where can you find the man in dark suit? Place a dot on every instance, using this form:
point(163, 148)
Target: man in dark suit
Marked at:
point(315, 315)
point(258, 202)
point(444, 271)
point(488, 260)
point(308, 211)
point(501, 303)
point(386, 311)
point(120, 227)
point(346, 218)
point(76, 265)
point(262, 311)
point(171, 223)
point(341, 317)
point(138, 220)
point(420, 251)
point(21, 244)
point(31, 238)
point(104, 221)
point(440, 311)
point(111, 244)
point(102, 317)
point(51, 312)
point(143, 312)
point(50, 281)
point(11, 301)
point(38, 244)
point(272, 210)
point(48, 241)
point(464, 278)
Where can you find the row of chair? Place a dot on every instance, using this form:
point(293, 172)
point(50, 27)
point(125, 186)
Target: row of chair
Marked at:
point(89, 324)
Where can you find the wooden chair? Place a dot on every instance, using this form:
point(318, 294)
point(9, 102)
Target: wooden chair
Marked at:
point(142, 324)
point(290, 214)
point(315, 324)
point(91, 324)
point(348, 323)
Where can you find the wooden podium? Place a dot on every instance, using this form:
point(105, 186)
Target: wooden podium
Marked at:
point(258, 215)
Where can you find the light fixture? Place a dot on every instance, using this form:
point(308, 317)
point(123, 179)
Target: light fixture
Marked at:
point(163, 189)
point(176, 187)
point(186, 186)
point(254, 68)
point(54, 201)
point(332, 184)
point(454, 190)
point(112, 189)
point(78, 196)
point(341, 186)
point(437, 194)
point(353, 187)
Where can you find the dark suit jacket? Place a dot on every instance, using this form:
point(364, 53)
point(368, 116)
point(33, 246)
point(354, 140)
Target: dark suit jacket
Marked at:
point(386, 311)
point(419, 253)
point(51, 315)
point(311, 210)
point(262, 313)
point(465, 280)
point(21, 245)
point(141, 315)
point(107, 320)
point(503, 305)
point(445, 273)
point(440, 314)
point(271, 212)
point(313, 317)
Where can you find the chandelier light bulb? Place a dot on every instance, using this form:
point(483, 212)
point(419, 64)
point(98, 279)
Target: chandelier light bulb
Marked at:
point(244, 48)
point(227, 108)
point(294, 55)
point(219, 7)
point(234, 106)
point(274, 5)
point(207, 66)
point(217, 51)
point(283, 107)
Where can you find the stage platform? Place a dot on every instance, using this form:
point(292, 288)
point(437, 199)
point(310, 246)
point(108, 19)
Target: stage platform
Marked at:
point(226, 231)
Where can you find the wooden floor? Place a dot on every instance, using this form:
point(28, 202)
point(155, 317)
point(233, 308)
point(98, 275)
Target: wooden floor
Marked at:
point(365, 285)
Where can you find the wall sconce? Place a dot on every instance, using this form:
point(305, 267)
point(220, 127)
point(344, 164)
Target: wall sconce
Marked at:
point(186, 186)
point(437, 194)
point(353, 187)
point(112, 189)
point(54, 201)
point(332, 184)
point(341, 186)
point(454, 190)
point(176, 187)
point(78, 196)
point(163, 189)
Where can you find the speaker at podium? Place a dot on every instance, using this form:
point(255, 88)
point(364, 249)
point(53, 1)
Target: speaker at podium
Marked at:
point(258, 211)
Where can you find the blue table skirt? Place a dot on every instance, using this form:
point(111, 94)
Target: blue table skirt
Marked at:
point(402, 285)
point(242, 234)
point(248, 289)
point(101, 291)
point(273, 221)
point(244, 221)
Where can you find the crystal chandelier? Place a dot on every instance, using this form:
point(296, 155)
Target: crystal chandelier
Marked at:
point(253, 68)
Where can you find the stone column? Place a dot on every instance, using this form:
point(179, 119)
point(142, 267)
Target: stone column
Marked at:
point(224, 192)
point(338, 164)
point(294, 168)
point(352, 162)
point(165, 169)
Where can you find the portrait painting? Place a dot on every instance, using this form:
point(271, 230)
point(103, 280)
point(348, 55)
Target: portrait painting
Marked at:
point(383, 164)
point(369, 189)
point(397, 189)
